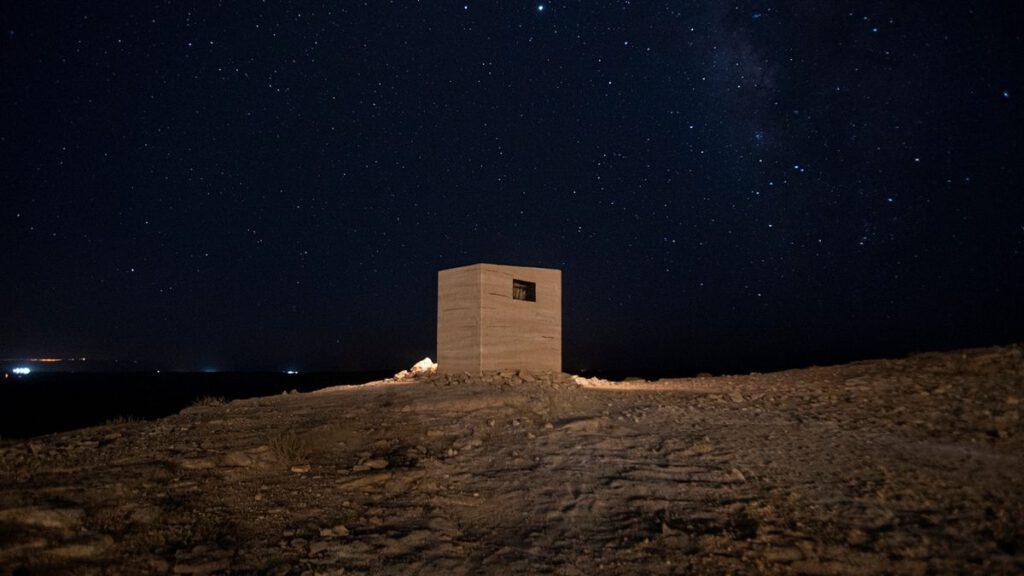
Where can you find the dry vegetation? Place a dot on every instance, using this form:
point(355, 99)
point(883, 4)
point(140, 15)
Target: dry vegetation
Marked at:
point(912, 466)
point(208, 401)
point(122, 420)
point(289, 448)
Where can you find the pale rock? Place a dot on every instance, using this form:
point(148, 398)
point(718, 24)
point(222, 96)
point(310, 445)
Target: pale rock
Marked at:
point(318, 547)
point(857, 537)
point(423, 367)
point(82, 549)
point(52, 518)
point(785, 554)
point(196, 463)
point(373, 464)
point(238, 458)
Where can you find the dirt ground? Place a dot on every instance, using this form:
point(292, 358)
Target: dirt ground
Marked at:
point(911, 466)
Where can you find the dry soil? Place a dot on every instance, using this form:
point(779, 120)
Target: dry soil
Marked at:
point(911, 466)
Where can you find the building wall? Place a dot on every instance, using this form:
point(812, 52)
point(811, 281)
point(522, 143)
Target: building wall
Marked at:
point(517, 334)
point(481, 327)
point(458, 319)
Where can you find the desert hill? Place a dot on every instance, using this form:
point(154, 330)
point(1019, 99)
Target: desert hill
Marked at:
point(910, 466)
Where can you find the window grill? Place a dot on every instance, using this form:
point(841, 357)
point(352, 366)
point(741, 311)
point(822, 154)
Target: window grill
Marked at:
point(523, 290)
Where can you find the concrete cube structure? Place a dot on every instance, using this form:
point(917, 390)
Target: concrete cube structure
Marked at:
point(494, 317)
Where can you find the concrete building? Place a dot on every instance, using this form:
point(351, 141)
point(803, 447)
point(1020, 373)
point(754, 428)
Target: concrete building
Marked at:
point(494, 317)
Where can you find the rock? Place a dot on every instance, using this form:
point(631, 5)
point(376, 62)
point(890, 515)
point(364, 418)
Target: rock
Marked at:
point(339, 530)
point(1005, 423)
point(910, 567)
point(32, 546)
point(300, 469)
point(374, 464)
point(318, 547)
point(65, 519)
point(784, 554)
point(145, 514)
point(817, 568)
point(354, 549)
point(878, 519)
point(857, 537)
point(82, 549)
point(196, 463)
point(423, 367)
point(467, 443)
point(201, 566)
point(736, 476)
point(365, 481)
point(238, 458)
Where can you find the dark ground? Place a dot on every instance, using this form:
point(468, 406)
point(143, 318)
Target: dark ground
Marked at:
point(47, 402)
point(912, 466)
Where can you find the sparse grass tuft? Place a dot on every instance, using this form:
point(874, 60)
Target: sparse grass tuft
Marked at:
point(289, 448)
point(120, 420)
point(210, 401)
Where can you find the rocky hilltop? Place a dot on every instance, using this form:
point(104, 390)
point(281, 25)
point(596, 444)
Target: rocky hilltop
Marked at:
point(910, 466)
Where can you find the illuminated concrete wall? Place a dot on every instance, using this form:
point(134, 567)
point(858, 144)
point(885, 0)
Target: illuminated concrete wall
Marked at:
point(458, 319)
point(481, 325)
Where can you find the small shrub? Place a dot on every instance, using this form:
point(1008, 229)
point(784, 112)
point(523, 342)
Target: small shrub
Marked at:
point(120, 420)
point(289, 448)
point(210, 401)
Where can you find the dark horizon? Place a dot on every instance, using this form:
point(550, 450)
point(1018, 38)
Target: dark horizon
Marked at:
point(726, 188)
point(723, 366)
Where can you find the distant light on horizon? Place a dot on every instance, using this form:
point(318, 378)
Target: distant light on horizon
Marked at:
point(291, 372)
point(22, 370)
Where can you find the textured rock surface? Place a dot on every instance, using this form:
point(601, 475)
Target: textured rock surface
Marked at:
point(912, 466)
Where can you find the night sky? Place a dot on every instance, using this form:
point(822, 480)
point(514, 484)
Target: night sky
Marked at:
point(726, 186)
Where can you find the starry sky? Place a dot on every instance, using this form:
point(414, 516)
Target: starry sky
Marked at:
point(726, 186)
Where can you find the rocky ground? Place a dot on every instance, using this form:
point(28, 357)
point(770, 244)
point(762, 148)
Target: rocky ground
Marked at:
point(911, 466)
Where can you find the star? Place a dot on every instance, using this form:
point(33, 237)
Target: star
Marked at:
point(738, 82)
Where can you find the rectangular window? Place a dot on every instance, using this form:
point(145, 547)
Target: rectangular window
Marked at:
point(523, 290)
